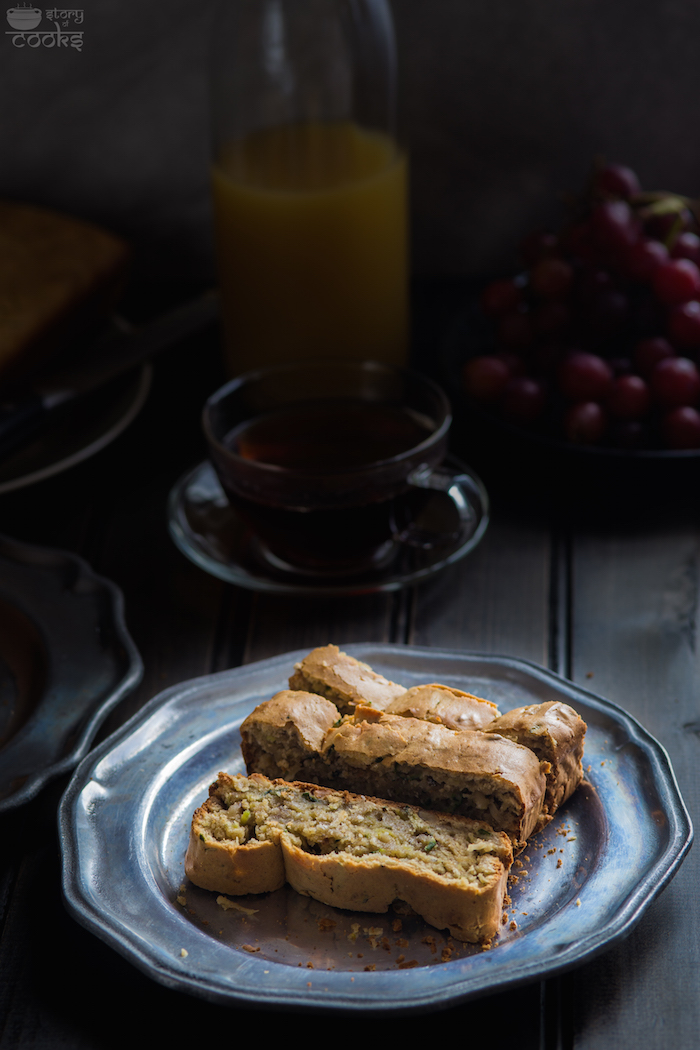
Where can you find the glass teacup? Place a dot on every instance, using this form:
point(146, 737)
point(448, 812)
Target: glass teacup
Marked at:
point(326, 460)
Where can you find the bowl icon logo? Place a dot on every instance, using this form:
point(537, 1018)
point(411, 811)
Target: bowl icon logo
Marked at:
point(24, 17)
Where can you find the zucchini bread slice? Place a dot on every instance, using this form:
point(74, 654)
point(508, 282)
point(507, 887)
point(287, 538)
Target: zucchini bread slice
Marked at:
point(351, 852)
point(343, 680)
point(443, 704)
point(475, 774)
point(555, 733)
point(285, 736)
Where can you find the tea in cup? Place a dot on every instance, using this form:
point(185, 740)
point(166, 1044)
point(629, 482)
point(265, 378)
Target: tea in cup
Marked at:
point(323, 459)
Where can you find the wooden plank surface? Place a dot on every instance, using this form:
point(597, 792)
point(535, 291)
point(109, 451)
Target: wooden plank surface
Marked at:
point(635, 604)
point(495, 601)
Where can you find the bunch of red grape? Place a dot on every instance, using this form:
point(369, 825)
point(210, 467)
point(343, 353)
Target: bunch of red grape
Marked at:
point(598, 341)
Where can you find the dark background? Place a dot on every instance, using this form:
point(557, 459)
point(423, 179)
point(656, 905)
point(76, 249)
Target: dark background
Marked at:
point(503, 107)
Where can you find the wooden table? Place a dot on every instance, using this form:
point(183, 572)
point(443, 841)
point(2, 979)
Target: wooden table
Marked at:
point(610, 603)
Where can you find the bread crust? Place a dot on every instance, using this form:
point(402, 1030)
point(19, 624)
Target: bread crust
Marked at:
point(290, 730)
point(443, 704)
point(344, 680)
point(370, 884)
point(555, 733)
point(350, 851)
point(229, 867)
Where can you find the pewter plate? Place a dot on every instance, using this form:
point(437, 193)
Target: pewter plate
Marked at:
point(66, 659)
point(585, 880)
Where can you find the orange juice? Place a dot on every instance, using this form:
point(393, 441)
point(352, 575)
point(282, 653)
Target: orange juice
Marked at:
point(311, 231)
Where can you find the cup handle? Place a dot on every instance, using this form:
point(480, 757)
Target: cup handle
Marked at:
point(443, 504)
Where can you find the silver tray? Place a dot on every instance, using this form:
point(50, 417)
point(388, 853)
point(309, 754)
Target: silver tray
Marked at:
point(66, 659)
point(124, 825)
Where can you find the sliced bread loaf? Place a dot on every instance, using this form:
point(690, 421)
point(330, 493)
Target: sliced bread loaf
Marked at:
point(555, 733)
point(351, 852)
point(343, 680)
point(445, 705)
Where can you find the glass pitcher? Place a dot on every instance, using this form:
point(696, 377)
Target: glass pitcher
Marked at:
point(309, 182)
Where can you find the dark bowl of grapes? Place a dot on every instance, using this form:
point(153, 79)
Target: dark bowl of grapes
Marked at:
point(587, 362)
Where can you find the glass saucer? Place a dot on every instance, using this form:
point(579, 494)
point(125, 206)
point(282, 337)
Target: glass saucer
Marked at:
point(209, 532)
